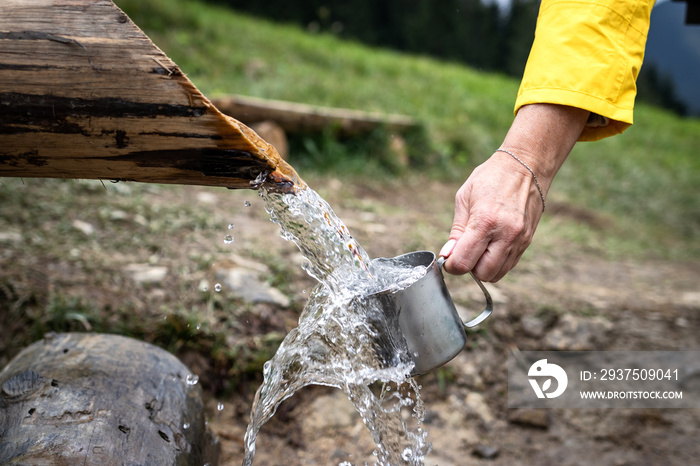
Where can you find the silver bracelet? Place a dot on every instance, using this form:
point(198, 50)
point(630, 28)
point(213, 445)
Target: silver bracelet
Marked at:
point(537, 183)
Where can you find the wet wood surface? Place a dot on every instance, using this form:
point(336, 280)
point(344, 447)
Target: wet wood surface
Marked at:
point(84, 93)
point(95, 399)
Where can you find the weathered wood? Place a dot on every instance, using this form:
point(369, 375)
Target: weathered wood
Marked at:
point(301, 118)
point(84, 93)
point(95, 399)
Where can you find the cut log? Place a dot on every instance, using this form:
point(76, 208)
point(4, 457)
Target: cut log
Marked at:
point(297, 118)
point(84, 93)
point(95, 399)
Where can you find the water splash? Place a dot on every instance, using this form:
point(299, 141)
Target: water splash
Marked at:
point(343, 340)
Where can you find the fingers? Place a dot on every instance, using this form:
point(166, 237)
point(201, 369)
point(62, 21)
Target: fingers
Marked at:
point(493, 225)
point(489, 258)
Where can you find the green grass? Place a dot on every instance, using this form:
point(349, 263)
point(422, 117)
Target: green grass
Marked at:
point(646, 179)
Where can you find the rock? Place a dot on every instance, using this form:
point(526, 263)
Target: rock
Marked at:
point(477, 404)
point(118, 215)
point(84, 227)
point(577, 333)
point(10, 236)
point(81, 398)
point(467, 372)
point(145, 273)
point(207, 197)
point(247, 285)
point(529, 417)
point(682, 322)
point(691, 299)
point(533, 326)
point(244, 278)
point(485, 451)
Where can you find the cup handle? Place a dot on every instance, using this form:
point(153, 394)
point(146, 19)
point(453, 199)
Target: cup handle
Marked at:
point(489, 302)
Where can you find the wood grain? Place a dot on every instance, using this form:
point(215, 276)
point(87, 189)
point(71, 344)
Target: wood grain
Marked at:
point(84, 93)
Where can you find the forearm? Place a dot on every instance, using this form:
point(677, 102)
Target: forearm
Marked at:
point(542, 136)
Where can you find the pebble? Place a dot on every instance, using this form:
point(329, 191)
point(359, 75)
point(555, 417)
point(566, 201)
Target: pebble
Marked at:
point(145, 273)
point(477, 404)
point(533, 326)
point(529, 417)
point(485, 451)
point(84, 227)
point(578, 333)
point(246, 284)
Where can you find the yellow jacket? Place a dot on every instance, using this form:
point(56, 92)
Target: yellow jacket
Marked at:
point(587, 54)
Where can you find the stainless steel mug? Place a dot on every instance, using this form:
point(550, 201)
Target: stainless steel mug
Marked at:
point(426, 313)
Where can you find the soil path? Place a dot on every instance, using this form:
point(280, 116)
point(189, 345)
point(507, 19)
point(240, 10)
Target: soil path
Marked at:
point(563, 295)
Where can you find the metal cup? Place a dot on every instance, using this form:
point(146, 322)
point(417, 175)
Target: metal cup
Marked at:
point(427, 316)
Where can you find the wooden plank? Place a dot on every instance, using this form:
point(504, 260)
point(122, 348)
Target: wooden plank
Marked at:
point(84, 93)
point(301, 118)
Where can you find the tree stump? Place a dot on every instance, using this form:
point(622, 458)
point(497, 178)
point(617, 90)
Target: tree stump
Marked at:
point(94, 399)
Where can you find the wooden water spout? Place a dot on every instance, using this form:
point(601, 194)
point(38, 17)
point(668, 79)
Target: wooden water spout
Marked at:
point(84, 93)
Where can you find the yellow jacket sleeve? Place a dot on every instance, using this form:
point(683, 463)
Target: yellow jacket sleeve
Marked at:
point(587, 54)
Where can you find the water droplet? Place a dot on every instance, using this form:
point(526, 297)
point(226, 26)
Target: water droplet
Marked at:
point(230, 226)
point(217, 287)
point(303, 291)
point(407, 454)
point(220, 406)
point(192, 379)
point(199, 326)
point(246, 203)
point(228, 239)
point(186, 425)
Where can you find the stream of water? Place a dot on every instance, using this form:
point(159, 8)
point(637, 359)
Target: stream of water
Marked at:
point(342, 340)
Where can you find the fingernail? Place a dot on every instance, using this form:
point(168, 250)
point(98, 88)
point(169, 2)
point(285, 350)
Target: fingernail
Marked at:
point(447, 248)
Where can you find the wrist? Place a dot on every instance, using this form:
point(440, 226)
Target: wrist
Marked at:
point(531, 171)
point(542, 136)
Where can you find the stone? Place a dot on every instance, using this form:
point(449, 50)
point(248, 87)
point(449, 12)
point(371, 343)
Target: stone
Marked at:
point(84, 227)
point(146, 274)
point(10, 236)
point(81, 398)
point(533, 326)
point(476, 403)
point(578, 333)
point(487, 452)
point(207, 197)
point(246, 284)
point(529, 417)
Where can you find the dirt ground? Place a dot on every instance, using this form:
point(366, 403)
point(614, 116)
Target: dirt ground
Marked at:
point(637, 303)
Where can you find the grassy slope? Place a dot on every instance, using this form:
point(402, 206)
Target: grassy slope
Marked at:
point(648, 176)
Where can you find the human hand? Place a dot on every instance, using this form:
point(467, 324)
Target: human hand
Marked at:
point(499, 206)
point(496, 213)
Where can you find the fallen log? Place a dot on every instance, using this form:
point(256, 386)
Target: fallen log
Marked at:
point(297, 118)
point(95, 399)
point(84, 93)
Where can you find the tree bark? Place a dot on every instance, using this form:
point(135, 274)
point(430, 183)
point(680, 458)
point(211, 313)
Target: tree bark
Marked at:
point(84, 93)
